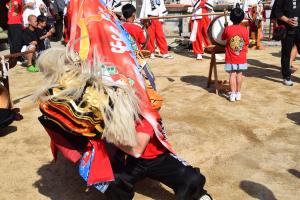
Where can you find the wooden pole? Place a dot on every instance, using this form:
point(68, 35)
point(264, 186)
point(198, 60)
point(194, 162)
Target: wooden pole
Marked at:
point(15, 55)
point(225, 14)
point(184, 16)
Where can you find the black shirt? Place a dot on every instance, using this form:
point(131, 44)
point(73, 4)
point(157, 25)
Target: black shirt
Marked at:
point(28, 36)
point(39, 34)
point(288, 8)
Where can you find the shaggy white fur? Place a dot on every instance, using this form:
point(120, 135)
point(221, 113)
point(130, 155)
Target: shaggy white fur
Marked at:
point(64, 70)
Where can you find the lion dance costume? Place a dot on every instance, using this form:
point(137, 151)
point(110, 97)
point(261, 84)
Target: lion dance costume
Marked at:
point(95, 91)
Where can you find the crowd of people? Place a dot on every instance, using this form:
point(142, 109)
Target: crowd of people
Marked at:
point(21, 19)
point(152, 156)
point(31, 25)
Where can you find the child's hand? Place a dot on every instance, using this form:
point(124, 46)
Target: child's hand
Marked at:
point(48, 34)
point(33, 42)
point(52, 30)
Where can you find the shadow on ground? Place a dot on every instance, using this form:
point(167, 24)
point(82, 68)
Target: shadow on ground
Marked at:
point(294, 172)
point(294, 117)
point(200, 81)
point(189, 54)
point(266, 71)
point(61, 180)
point(257, 190)
point(7, 130)
point(278, 54)
point(154, 190)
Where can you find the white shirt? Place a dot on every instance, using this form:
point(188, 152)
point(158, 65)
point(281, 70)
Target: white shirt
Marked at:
point(32, 11)
point(111, 4)
point(195, 3)
point(249, 3)
point(153, 8)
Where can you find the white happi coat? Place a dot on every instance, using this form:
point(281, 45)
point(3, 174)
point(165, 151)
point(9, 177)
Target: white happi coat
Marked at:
point(155, 8)
point(112, 4)
point(198, 6)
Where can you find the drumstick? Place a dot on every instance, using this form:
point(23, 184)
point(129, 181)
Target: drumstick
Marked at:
point(225, 14)
point(184, 16)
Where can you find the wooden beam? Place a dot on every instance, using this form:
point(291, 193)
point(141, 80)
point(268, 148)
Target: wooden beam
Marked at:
point(184, 16)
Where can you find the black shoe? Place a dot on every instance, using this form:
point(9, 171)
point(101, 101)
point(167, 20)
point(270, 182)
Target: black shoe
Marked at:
point(7, 116)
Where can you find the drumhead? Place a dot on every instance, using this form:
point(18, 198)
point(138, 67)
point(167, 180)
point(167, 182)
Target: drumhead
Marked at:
point(216, 28)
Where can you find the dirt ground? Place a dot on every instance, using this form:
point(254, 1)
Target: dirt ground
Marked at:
point(247, 150)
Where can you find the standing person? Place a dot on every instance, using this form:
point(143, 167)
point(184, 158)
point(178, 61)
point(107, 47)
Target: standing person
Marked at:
point(59, 7)
point(199, 26)
point(133, 29)
point(155, 8)
point(67, 22)
point(237, 38)
point(15, 25)
point(32, 7)
point(30, 42)
point(288, 13)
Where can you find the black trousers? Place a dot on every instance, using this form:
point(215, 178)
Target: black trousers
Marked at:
point(186, 181)
point(287, 45)
point(59, 26)
point(15, 37)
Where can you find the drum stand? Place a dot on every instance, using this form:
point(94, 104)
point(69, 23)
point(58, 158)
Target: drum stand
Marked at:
point(213, 50)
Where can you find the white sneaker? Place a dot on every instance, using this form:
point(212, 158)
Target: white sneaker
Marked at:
point(205, 197)
point(152, 56)
point(167, 56)
point(19, 63)
point(232, 97)
point(199, 57)
point(288, 82)
point(219, 57)
point(238, 96)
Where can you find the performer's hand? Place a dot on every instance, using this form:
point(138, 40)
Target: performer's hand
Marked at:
point(48, 34)
point(52, 30)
